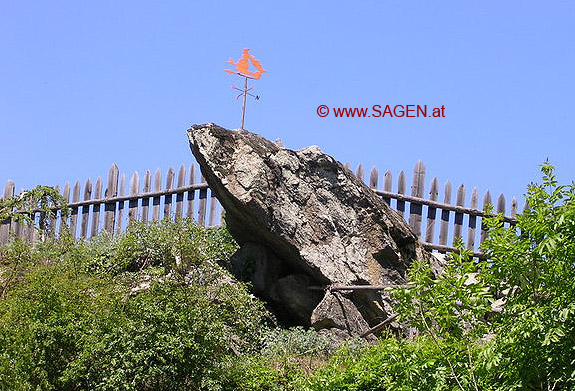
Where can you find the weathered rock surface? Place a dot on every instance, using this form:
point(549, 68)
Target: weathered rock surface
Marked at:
point(301, 218)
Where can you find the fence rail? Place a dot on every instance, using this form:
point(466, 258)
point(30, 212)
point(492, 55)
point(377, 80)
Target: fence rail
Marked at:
point(191, 197)
point(455, 220)
point(94, 214)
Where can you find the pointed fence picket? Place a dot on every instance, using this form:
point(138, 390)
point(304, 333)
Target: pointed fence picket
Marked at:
point(431, 212)
point(445, 216)
point(400, 206)
point(133, 203)
point(472, 222)
point(145, 200)
point(86, 218)
point(110, 204)
point(180, 196)
point(86, 209)
point(415, 210)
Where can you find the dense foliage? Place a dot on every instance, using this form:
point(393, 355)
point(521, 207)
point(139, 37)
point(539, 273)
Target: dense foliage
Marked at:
point(149, 310)
point(533, 266)
point(152, 309)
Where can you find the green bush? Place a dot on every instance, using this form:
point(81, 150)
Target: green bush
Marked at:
point(149, 310)
point(285, 355)
point(533, 266)
point(169, 244)
point(394, 364)
point(258, 372)
point(294, 341)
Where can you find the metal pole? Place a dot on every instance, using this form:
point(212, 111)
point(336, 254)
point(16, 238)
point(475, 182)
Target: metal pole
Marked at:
point(244, 103)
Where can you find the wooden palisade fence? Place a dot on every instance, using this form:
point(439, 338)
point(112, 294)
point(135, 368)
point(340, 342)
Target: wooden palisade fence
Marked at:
point(454, 220)
point(118, 207)
point(145, 200)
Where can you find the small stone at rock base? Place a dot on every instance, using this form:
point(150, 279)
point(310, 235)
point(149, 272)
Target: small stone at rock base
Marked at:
point(337, 311)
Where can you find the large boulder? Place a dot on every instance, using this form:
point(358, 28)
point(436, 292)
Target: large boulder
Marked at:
point(302, 213)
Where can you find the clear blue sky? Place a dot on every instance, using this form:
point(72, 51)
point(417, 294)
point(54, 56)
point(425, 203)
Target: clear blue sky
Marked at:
point(87, 84)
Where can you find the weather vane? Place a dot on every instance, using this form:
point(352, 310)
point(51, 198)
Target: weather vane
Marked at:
point(242, 69)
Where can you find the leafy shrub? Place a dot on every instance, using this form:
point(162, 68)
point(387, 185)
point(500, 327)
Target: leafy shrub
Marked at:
point(394, 364)
point(531, 270)
point(256, 372)
point(138, 312)
point(294, 341)
point(286, 355)
point(170, 244)
point(533, 266)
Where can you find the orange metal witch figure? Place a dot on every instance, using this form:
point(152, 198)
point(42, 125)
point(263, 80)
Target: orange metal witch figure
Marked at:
point(242, 69)
point(243, 64)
